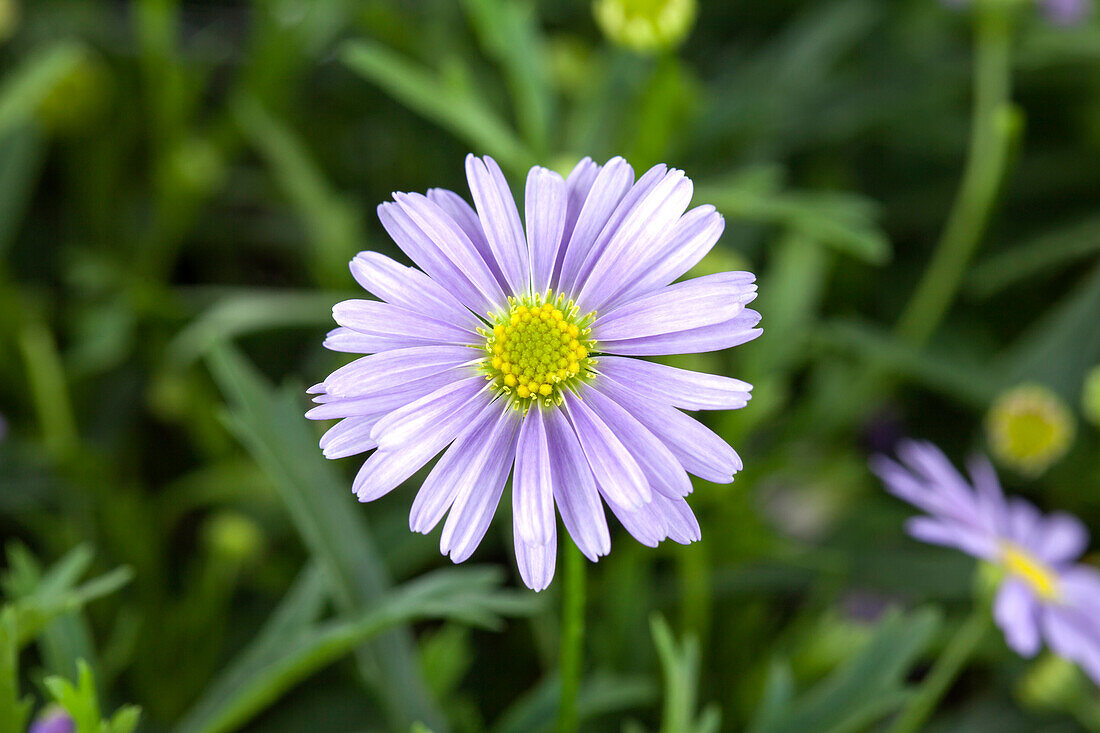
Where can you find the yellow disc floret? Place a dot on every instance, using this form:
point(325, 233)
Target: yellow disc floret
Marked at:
point(538, 347)
point(1031, 570)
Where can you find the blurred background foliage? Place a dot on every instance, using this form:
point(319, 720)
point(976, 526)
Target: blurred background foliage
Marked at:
point(181, 186)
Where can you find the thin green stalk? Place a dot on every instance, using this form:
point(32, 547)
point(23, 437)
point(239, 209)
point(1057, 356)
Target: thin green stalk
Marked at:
point(991, 136)
point(932, 689)
point(572, 638)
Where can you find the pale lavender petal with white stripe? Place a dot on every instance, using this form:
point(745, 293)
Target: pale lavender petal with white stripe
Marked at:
point(1046, 595)
point(511, 347)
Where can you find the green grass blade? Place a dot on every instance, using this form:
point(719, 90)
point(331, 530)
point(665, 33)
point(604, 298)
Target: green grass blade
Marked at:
point(457, 110)
point(329, 521)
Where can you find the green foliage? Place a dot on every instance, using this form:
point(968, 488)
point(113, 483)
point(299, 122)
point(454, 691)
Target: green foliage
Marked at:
point(680, 663)
point(81, 703)
point(863, 690)
point(181, 186)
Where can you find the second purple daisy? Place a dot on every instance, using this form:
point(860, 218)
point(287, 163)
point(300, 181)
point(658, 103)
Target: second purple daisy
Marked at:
point(1046, 596)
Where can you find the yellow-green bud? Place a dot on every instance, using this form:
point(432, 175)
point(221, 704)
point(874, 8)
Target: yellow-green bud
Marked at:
point(1052, 683)
point(1029, 428)
point(195, 166)
point(645, 25)
point(1090, 397)
point(232, 536)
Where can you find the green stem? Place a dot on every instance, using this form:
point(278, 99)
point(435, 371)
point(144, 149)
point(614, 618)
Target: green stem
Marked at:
point(992, 132)
point(962, 645)
point(572, 638)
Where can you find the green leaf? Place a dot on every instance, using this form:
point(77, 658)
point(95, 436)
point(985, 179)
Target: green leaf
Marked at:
point(13, 711)
point(81, 703)
point(680, 666)
point(245, 313)
point(777, 696)
point(600, 694)
point(1063, 344)
point(79, 700)
point(509, 33)
point(125, 719)
point(22, 154)
point(296, 613)
point(458, 110)
point(845, 222)
point(39, 599)
point(863, 690)
point(329, 521)
point(973, 384)
point(24, 89)
point(333, 222)
point(467, 594)
point(1044, 254)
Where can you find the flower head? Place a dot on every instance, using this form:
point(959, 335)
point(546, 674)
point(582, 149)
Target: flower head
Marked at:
point(513, 343)
point(1030, 428)
point(1043, 595)
point(645, 25)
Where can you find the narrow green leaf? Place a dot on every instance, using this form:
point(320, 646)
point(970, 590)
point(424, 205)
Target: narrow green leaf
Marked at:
point(329, 521)
point(13, 711)
point(777, 697)
point(843, 221)
point(1042, 255)
point(246, 313)
point(333, 222)
point(22, 154)
point(462, 594)
point(974, 384)
point(456, 110)
point(509, 33)
point(864, 689)
point(600, 694)
point(1063, 344)
point(290, 622)
point(79, 700)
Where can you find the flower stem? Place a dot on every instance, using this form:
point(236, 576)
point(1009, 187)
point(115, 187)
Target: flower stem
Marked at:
point(992, 132)
point(572, 638)
point(944, 671)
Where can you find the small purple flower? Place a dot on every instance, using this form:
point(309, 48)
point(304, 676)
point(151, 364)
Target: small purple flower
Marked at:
point(1045, 595)
point(514, 343)
point(54, 720)
point(1058, 12)
point(1065, 12)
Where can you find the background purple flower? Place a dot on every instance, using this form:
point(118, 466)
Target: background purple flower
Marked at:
point(1044, 596)
point(1059, 12)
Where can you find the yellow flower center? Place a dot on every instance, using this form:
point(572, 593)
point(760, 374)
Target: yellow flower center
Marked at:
point(538, 348)
point(1031, 570)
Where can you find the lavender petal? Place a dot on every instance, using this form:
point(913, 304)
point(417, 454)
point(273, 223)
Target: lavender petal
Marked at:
point(681, 388)
point(500, 219)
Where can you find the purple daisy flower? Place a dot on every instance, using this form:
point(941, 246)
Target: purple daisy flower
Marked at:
point(1045, 595)
point(513, 344)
